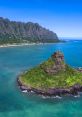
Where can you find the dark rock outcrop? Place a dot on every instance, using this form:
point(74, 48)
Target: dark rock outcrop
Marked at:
point(52, 92)
point(59, 64)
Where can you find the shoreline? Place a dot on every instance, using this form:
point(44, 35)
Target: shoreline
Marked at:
point(52, 92)
point(23, 44)
point(20, 44)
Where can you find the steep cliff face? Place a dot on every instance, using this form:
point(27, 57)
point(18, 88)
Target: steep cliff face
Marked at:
point(32, 32)
point(58, 63)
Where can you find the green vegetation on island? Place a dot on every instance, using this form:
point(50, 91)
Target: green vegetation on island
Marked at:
point(53, 73)
point(20, 32)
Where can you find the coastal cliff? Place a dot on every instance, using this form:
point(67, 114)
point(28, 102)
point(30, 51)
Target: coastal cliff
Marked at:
point(52, 77)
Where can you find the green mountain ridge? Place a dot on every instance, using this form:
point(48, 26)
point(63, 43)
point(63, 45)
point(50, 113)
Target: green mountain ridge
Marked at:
point(15, 32)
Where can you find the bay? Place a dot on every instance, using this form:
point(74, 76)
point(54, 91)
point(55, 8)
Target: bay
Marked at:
point(14, 60)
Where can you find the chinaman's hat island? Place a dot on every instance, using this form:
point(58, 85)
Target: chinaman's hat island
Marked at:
point(52, 78)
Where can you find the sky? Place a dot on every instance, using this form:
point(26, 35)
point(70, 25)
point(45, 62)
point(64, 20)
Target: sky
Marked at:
point(61, 16)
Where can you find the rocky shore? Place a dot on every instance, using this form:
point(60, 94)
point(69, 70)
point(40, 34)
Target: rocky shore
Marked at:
point(73, 90)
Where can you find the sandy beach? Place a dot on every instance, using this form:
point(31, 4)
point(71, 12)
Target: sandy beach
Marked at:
point(20, 44)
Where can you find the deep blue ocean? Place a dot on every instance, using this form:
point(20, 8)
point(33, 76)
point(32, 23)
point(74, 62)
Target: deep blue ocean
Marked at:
point(14, 60)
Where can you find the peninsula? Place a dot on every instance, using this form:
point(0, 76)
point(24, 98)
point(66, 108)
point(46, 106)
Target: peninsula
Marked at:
point(51, 78)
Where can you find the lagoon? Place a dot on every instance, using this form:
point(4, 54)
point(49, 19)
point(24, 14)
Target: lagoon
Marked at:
point(14, 60)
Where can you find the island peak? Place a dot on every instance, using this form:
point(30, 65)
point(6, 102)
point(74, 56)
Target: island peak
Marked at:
point(59, 65)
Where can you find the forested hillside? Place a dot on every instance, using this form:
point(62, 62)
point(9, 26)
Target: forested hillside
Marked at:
point(16, 32)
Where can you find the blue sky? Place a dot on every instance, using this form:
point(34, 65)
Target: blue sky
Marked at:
point(61, 16)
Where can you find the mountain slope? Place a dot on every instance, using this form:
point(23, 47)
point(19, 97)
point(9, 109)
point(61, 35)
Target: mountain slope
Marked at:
point(12, 31)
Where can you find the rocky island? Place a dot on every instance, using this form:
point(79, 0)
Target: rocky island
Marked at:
point(52, 78)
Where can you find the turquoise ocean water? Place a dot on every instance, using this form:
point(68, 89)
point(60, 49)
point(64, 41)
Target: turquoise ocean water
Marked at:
point(14, 60)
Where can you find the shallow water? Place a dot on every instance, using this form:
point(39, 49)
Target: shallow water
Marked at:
point(14, 60)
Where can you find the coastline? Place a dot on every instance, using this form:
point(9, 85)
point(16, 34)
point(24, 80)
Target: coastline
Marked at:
point(52, 92)
point(23, 44)
point(20, 44)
